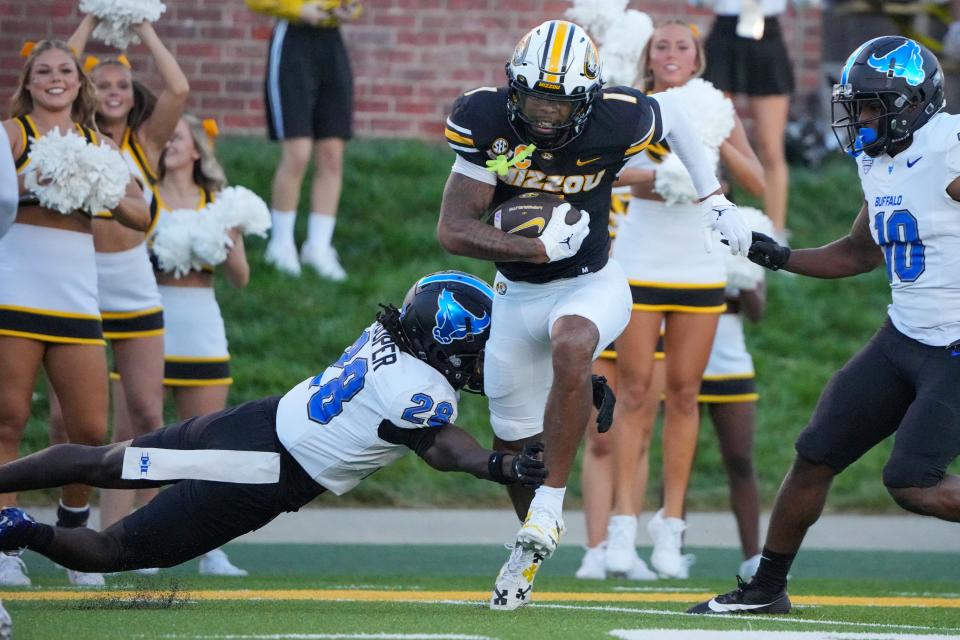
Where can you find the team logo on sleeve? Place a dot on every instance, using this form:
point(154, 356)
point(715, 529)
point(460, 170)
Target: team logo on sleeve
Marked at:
point(455, 322)
point(903, 62)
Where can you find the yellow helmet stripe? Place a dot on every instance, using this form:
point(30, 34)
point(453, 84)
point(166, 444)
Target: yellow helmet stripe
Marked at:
point(557, 46)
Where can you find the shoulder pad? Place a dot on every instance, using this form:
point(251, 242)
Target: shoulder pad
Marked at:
point(473, 116)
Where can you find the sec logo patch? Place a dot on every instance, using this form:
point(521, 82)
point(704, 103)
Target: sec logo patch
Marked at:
point(501, 288)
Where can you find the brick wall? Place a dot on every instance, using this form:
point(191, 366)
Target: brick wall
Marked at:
point(411, 58)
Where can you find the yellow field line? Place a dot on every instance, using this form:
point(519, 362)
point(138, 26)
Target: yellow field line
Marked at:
point(433, 596)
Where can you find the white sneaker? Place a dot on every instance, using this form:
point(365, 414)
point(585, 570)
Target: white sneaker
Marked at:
point(593, 567)
point(216, 563)
point(84, 579)
point(667, 535)
point(639, 570)
point(148, 571)
point(749, 567)
point(514, 584)
point(621, 538)
point(541, 531)
point(13, 573)
point(324, 260)
point(283, 255)
point(6, 624)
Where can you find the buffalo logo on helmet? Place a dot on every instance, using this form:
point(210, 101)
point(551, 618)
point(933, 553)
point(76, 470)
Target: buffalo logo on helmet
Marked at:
point(903, 62)
point(455, 322)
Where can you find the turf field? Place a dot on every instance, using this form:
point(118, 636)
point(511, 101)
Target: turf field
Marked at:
point(341, 591)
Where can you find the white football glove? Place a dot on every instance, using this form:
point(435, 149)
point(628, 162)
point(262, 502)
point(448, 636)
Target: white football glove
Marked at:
point(562, 240)
point(722, 215)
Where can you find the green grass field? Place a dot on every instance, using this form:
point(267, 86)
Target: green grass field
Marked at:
point(339, 591)
point(282, 330)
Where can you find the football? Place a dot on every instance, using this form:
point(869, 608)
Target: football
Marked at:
point(528, 214)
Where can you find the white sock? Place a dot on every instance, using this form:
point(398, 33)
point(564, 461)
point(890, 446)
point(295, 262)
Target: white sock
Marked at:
point(283, 222)
point(549, 498)
point(320, 229)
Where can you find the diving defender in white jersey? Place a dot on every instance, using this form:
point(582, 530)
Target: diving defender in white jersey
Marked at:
point(905, 380)
point(395, 389)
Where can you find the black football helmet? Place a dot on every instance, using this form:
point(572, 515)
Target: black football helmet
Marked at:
point(445, 322)
point(554, 79)
point(899, 76)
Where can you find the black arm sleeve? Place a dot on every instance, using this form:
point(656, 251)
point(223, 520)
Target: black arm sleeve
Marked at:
point(417, 440)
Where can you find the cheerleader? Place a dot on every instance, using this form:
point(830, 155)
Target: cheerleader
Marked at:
point(8, 185)
point(676, 284)
point(49, 314)
point(140, 124)
point(197, 363)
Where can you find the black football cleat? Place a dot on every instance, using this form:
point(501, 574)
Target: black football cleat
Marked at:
point(746, 598)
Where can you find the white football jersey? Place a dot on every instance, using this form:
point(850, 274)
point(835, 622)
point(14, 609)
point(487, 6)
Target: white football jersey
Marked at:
point(329, 422)
point(917, 225)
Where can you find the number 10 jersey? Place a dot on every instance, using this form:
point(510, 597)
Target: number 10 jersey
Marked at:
point(917, 225)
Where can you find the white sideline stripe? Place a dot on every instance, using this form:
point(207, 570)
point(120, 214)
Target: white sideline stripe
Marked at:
point(219, 465)
point(691, 634)
point(744, 618)
point(273, 76)
point(325, 636)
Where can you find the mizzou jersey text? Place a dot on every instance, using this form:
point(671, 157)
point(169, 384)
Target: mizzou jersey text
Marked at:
point(623, 122)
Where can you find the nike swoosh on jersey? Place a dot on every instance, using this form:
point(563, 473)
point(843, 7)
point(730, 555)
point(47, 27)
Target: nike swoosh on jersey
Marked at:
point(583, 163)
point(910, 162)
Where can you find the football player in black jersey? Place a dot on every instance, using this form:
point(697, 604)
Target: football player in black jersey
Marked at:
point(554, 128)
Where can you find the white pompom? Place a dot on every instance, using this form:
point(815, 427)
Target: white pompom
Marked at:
point(117, 18)
point(241, 208)
point(172, 242)
point(707, 109)
point(75, 174)
point(622, 45)
point(620, 34)
point(210, 242)
point(596, 16)
point(741, 273)
point(109, 175)
point(672, 181)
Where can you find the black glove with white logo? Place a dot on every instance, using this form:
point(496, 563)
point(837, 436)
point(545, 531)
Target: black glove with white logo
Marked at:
point(767, 252)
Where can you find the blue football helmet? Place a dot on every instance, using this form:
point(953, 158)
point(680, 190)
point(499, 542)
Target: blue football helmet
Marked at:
point(901, 77)
point(445, 321)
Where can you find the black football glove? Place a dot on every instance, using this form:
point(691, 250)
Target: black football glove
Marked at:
point(527, 469)
point(604, 400)
point(767, 252)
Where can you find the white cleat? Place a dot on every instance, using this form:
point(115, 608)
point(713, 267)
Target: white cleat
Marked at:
point(13, 573)
point(593, 567)
point(621, 538)
point(667, 558)
point(283, 256)
point(84, 579)
point(147, 571)
point(749, 567)
point(541, 530)
point(216, 563)
point(514, 585)
point(324, 260)
point(640, 570)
